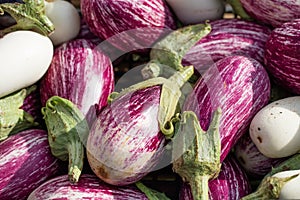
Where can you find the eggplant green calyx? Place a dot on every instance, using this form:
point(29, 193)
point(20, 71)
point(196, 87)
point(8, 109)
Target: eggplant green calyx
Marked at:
point(150, 193)
point(67, 133)
point(169, 51)
point(169, 96)
point(29, 15)
point(238, 9)
point(12, 118)
point(269, 188)
point(200, 152)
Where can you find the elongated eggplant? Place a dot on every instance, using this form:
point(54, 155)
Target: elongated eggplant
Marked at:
point(240, 86)
point(25, 163)
point(231, 184)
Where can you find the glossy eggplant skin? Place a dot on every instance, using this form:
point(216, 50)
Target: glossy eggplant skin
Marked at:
point(129, 24)
point(80, 73)
point(282, 58)
point(231, 184)
point(240, 86)
point(25, 163)
point(272, 12)
point(89, 187)
point(228, 37)
point(125, 141)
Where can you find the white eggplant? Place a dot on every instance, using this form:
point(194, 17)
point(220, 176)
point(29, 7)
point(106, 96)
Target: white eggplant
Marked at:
point(25, 57)
point(65, 18)
point(275, 128)
point(197, 11)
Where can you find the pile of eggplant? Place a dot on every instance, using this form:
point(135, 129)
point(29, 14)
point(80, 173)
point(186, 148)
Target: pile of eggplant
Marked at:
point(157, 99)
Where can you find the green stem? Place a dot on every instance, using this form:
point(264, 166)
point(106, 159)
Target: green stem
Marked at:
point(238, 9)
point(269, 188)
point(150, 193)
point(29, 15)
point(76, 156)
point(199, 152)
point(199, 187)
point(67, 133)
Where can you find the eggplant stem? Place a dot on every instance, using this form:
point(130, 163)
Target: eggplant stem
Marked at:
point(76, 155)
point(269, 188)
point(199, 187)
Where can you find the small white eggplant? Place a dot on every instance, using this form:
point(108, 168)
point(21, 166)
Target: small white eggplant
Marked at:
point(65, 18)
point(25, 57)
point(197, 11)
point(275, 128)
point(290, 190)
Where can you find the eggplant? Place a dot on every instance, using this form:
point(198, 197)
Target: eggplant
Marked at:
point(18, 112)
point(232, 183)
point(251, 159)
point(25, 163)
point(89, 187)
point(272, 12)
point(81, 73)
point(281, 56)
point(128, 25)
point(240, 86)
point(228, 37)
point(129, 136)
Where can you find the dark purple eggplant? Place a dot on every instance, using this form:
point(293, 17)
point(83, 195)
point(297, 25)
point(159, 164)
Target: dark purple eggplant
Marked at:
point(25, 163)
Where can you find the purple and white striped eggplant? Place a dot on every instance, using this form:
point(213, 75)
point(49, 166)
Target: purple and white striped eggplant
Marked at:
point(128, 137)
point(128, 24)
point(25, 163)
point(251, 159)
point(231, 184)
point(88, 187)
point(282, 58)
point(240, 86)
point(272, 12)
point(228, 37)
point(81, 73)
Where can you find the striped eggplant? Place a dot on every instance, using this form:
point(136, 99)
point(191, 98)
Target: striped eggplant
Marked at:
point(282, 58)
point(251, 159)
point(232, 183)
point(81, 73)
point(228, 37)
point(129, 136)
point(88, 187)
point(128, 24)
point(240, 86)
point(25, 163)
point(272, 12)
